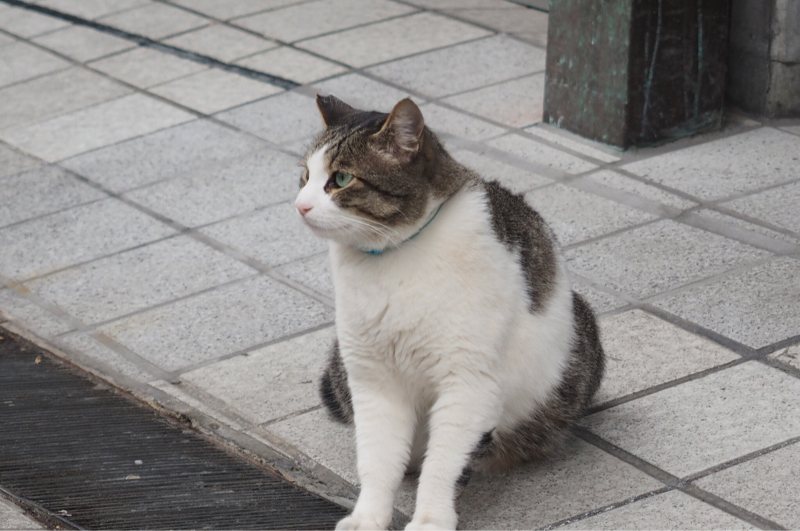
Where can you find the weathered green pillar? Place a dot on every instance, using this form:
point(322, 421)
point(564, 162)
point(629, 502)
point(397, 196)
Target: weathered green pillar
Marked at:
point(635, 72)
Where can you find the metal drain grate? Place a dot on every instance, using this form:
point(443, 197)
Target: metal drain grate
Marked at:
point(100, 461)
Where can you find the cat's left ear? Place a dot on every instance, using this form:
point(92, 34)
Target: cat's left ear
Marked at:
point(333, 110)
point(401, 134)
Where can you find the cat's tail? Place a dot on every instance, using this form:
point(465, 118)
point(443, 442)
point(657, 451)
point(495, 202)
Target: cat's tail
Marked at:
point(333, 387)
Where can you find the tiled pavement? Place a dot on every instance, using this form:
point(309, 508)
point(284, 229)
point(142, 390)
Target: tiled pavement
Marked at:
point(147, 233)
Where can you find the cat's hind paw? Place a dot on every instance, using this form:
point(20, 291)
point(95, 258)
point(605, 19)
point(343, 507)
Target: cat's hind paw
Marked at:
point(357, 522)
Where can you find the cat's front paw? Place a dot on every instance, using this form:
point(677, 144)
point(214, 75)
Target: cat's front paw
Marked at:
point(356, 522)
point(430, 524)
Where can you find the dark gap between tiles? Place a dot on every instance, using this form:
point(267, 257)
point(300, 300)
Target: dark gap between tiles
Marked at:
point(605, 509)
point(781, 366)
point(165, 48)
point(660, 387)
point(741, 459)
point(739, 348)
point(770, 349)
point(175, 375)
point(675, 482)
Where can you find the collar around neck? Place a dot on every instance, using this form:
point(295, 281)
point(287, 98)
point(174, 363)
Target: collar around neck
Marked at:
point(381, 251)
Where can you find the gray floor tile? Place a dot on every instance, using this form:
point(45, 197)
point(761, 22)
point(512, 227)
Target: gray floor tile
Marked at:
point(220, 42)
point(287, 376)
point(632, 186)
point(281, 119)
point(26, 23)
point(82, 233)
point(516, 103)
point(31, 102)
point(12, 162)
point(670, 510)
point(538, 153)
point(18, 308)
point(43, 190)
point(92, 9)
point(228, 10)
point(195, 146)
point(538, 38)
point(313, 272)
point(214, 90)
point(788, 355)
point(719, 168)
point(575, 215)
point(363, 93)
point(777, 206)
point(392, 39)
point(261, 178)
point(20, 61)
point(599, 301)
point(145, 67)
point(443, 120)
point(273, 236)
point(308, 19)
point(464, 67)
point(82, 43)
point(574, 142)
point(218, 322)
point(516, 179)
point(506, 17)
point(6, 40)
point(643, 351)
point(136, 279)
point(542, 493)
point(95, 127)
point(757, 307)
point(766, 485)
point(155, 20)
point(293, 64)
point(657, 257)
point(705, 422)
point(14, 517)
point(456, 4)
point(325, 441)
point(96, 351)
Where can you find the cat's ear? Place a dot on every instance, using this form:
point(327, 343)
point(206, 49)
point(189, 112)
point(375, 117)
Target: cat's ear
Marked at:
point(333, 110)
point(401, 134)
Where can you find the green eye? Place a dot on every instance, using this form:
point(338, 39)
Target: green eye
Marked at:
point(342, 179)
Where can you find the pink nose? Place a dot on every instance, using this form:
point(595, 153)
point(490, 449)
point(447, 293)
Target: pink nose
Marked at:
point(303, 209)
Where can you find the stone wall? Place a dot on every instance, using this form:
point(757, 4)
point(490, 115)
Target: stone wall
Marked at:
point(764, 57)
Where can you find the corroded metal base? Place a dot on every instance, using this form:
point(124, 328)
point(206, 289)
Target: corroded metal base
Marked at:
point(633, 72)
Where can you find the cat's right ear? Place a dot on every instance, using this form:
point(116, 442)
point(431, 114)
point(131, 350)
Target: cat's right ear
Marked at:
point(333, 110)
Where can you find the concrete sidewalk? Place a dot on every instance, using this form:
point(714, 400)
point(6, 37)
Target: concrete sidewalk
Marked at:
point(147, 233)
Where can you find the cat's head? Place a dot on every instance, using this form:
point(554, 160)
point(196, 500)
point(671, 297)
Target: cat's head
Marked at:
point(370, 179)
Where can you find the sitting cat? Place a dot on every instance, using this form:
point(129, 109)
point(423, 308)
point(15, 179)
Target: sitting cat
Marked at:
point(461, 345)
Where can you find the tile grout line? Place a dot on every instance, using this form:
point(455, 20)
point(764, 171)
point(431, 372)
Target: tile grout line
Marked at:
point(159, 46)
point(675, 482)
point(452, 16)
point(614, 402)
point(741, 459)
point(135, 359)
point(291, 44)
point(606, 508)
point(251, 348)
point(634, 303)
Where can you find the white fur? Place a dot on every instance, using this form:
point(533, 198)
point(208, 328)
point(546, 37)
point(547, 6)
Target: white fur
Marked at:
point(437, 334)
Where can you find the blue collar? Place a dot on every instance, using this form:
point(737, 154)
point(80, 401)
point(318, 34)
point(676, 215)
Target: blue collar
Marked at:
point(380, 251)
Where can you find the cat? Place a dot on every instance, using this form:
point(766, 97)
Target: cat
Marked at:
point(460, 344)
